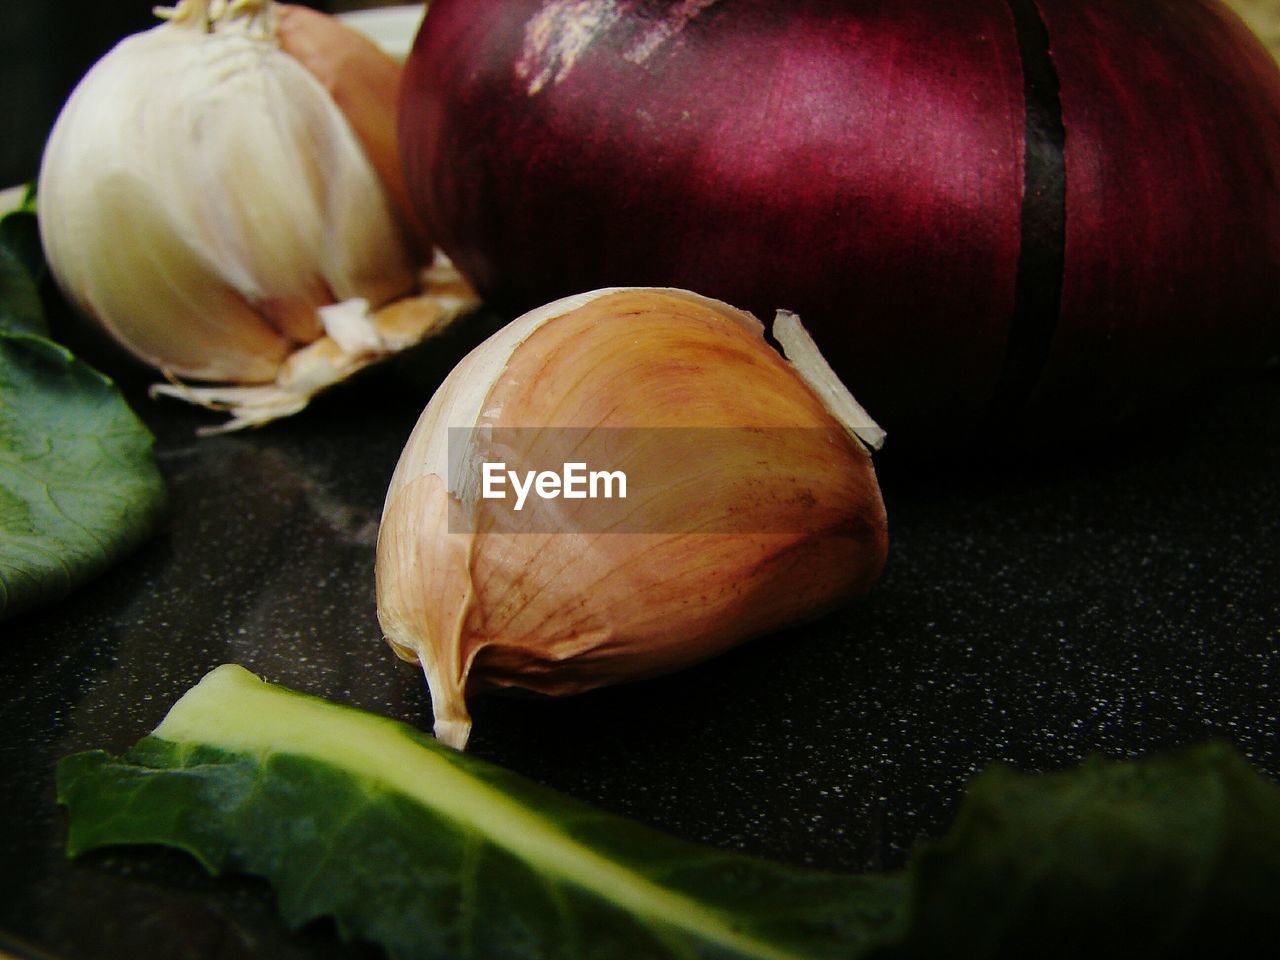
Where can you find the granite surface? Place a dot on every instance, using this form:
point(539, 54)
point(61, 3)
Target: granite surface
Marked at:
point(1115, 597)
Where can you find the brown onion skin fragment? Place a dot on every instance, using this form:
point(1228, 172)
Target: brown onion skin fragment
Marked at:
point(862, 164)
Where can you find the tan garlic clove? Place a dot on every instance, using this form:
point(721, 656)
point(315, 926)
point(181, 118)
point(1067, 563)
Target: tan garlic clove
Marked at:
point(751, 504)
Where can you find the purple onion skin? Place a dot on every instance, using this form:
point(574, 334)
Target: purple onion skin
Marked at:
point(1172, 267)
point(866, 164)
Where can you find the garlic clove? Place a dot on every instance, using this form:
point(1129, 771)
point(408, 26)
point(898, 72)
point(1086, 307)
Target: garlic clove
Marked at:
point(733, 533)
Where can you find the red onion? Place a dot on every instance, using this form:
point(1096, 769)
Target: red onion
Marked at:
point(974, 205)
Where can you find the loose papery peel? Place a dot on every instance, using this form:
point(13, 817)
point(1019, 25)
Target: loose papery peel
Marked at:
point(355, 339)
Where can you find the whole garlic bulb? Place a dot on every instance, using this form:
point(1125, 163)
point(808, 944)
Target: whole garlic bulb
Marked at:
point(761, 507)
point(205, 200)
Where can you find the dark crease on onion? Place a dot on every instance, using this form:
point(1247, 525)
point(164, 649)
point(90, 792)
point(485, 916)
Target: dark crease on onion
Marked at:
point(1038, 288)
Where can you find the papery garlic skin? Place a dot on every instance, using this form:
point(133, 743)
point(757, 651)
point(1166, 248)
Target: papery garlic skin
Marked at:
point(203, 197)
point(567, 611)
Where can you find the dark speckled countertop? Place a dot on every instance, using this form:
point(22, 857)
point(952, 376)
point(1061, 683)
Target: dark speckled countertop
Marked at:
point(1120, 597)
point(1117, 597)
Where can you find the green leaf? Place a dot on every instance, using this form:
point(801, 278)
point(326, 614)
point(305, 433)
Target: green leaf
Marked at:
point(20, 232)
point(432, 853)
point(21, 268)
point(1169, 856)
point(79, 488)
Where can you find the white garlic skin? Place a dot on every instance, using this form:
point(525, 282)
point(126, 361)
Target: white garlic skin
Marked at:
point(201, 196)
point(567, 611)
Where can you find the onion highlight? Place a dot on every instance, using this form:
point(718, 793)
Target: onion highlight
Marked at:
point(979, 207)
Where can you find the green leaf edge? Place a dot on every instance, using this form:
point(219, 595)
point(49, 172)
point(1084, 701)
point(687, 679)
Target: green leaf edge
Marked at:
point(150, 513)
point(908, 900)
point(242, 719)
point(22, 262)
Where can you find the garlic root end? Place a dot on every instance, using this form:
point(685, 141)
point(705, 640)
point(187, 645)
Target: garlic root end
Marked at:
point(355, 339)
point(249, 406)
